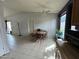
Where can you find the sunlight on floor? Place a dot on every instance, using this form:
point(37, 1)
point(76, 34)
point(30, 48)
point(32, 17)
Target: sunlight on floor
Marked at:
point(50, 52)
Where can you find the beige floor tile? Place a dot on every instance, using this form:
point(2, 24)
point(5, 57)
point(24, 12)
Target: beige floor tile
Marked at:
point(23, 48)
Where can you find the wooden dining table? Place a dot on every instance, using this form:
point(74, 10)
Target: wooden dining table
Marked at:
point(39, 34)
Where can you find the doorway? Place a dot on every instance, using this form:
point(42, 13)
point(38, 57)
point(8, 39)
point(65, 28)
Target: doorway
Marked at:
point(8, 27)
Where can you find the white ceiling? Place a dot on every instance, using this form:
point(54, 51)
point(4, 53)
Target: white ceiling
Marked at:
point(53, 6)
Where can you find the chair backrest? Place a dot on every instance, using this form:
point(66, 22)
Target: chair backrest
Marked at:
point(38, 29)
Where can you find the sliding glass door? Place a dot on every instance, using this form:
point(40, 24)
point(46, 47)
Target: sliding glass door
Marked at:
point(62, 25)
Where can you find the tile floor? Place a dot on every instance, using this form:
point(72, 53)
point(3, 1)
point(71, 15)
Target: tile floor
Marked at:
point(23, 48)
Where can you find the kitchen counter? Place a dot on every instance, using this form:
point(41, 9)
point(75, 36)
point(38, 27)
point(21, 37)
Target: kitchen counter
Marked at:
point(67, 50)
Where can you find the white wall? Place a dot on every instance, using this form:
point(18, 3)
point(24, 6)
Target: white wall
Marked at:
point(46, 22)
point(23, 23)
point(3, 38)
point(3, 42)
point(30, 21)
